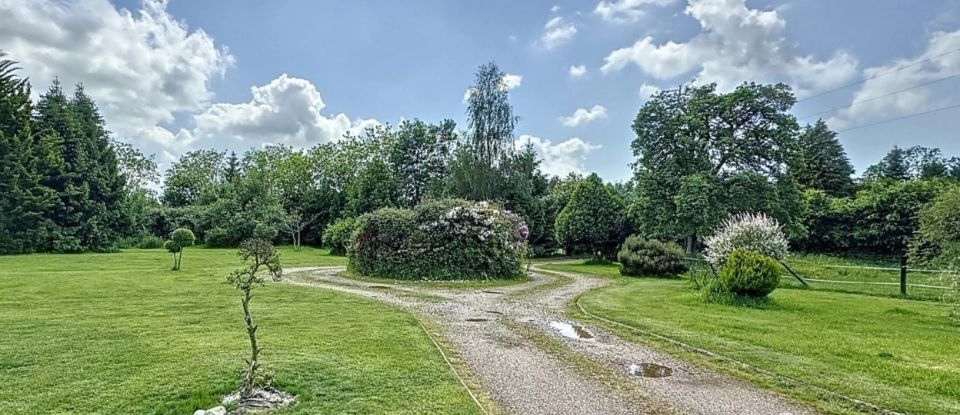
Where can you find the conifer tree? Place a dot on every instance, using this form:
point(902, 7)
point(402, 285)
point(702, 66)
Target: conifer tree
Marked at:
point(822, 163)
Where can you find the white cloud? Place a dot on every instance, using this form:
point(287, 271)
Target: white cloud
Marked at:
point(562, 158)
point(864, 107)
point(577, 71)
point(510, 82)
point(140, 67)
point(286, 110)
point(584, 115)
point(625, 11)
point(556, 32)
point(647, 90)
point(737, 44)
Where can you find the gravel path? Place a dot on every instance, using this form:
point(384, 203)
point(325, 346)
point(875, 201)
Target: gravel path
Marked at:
point(523, 378)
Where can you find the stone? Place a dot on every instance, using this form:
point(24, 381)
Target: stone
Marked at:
point(216, 411)
point(199, 412)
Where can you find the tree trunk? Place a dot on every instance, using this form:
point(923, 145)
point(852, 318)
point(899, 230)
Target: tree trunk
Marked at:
point(250, 378)
point(690, 240)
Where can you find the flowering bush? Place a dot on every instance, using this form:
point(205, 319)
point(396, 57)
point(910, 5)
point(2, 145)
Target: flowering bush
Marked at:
point(440, 240)
point(752, 232)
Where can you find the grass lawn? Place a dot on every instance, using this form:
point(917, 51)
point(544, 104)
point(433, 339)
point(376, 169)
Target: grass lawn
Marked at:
point(899, 354)
point(121, 333)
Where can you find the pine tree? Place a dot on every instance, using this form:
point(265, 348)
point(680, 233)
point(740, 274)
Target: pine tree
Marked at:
point(24, 157)
point(822, 163)
point(894, 165)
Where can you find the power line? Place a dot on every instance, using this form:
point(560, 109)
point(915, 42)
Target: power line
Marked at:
point(877, 75)
point(900, 118)
point(879, 96)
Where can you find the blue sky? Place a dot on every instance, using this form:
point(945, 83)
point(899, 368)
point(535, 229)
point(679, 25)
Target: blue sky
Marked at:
point(173, 77)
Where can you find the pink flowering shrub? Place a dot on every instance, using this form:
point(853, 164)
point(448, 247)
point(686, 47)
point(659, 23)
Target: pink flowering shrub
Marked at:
point(440, 240)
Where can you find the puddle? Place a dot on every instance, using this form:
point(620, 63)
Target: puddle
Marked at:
point(379, 287)
point(493, 312)
point(649, 370)
point(476, 320)
point(572, 331)
point(493, 292)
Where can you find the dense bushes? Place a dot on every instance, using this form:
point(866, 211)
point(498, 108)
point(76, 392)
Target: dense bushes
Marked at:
point(749, 274)
point(640, 257)
point(218, 238)
point(337, 235)
point(439, 240)
point(593, 221)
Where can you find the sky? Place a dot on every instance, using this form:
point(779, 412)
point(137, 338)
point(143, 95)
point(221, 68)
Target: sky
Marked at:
point(180, 75)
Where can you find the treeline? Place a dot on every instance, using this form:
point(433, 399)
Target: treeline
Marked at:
point(701, 155)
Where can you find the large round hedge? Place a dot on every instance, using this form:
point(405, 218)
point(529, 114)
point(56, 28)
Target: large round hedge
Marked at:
point(749, 273)
point(337, 235)
point(439, 240)
point(639, 257)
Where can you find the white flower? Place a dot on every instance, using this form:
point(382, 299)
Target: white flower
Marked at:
point(753, 232)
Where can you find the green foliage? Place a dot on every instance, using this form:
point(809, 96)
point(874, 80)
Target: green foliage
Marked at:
point(641, 257)
point(179, 239)
point(822, 163)
point(749, 274)
point(593, 221)
point(419, 158)
point(375, 188)
point(338, 235)
point(490, 119)
point(937, 239)
point(150, 242)
point(438, 240)
point(218, 238)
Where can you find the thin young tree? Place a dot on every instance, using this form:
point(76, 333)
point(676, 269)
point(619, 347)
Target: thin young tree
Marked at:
point(257, 254)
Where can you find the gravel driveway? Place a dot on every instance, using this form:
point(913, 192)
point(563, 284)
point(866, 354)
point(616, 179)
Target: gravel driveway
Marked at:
point(499, 333)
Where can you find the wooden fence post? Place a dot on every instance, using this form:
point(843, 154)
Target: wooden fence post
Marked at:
point(903, 276)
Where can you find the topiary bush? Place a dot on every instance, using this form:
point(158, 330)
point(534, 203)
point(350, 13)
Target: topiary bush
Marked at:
point(752, 232)
point(750, 274)
point(338, 234)
point(218, 238)
point(439, 240)
point(640, 257)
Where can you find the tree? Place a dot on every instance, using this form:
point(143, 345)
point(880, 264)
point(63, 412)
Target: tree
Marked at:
point(593, 221)
point(893, 166)
point(26, 157)
point(195, 172)
point(822, 163)
point(693, 136)
point(937, 239)
point(419, 158)
point(179, 239)
point(257, 254)
point(374, 189)
point(490, 119)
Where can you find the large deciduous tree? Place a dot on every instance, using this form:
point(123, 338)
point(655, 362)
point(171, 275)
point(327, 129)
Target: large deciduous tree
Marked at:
point(593, 221)
point(692, 139)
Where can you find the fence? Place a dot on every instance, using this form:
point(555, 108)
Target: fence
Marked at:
point(903, 281)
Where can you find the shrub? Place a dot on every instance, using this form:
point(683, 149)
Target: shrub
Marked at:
point(439, 240)
point(338, 234)
point(179, 239)
point(752, 232)
point(150, 242)
point(640, 256)
point(218, 238)
point(750, 274)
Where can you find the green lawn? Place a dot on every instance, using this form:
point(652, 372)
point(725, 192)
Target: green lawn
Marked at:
point(121, 333)
point(899, 354)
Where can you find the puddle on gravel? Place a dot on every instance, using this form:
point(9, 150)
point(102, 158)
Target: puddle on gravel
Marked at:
point(649, 370)
point(379, 287)
point(571, 330)
point(492, 312)
point(477, 320)
point(493, 292)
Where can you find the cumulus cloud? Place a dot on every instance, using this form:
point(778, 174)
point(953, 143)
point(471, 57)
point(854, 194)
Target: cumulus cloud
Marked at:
point(903, 75)
point(556, 32)
point(736, 44)
point(584, 115)
point(625, 11)
point(510, 82)
point(285, 110)
point(141, 67)
point(562, 158)
point(577, 71)
point(647, 90)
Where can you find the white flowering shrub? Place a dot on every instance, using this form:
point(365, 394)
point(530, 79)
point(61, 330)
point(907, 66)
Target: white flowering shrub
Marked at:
point(440, 240)
point(755, 232)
